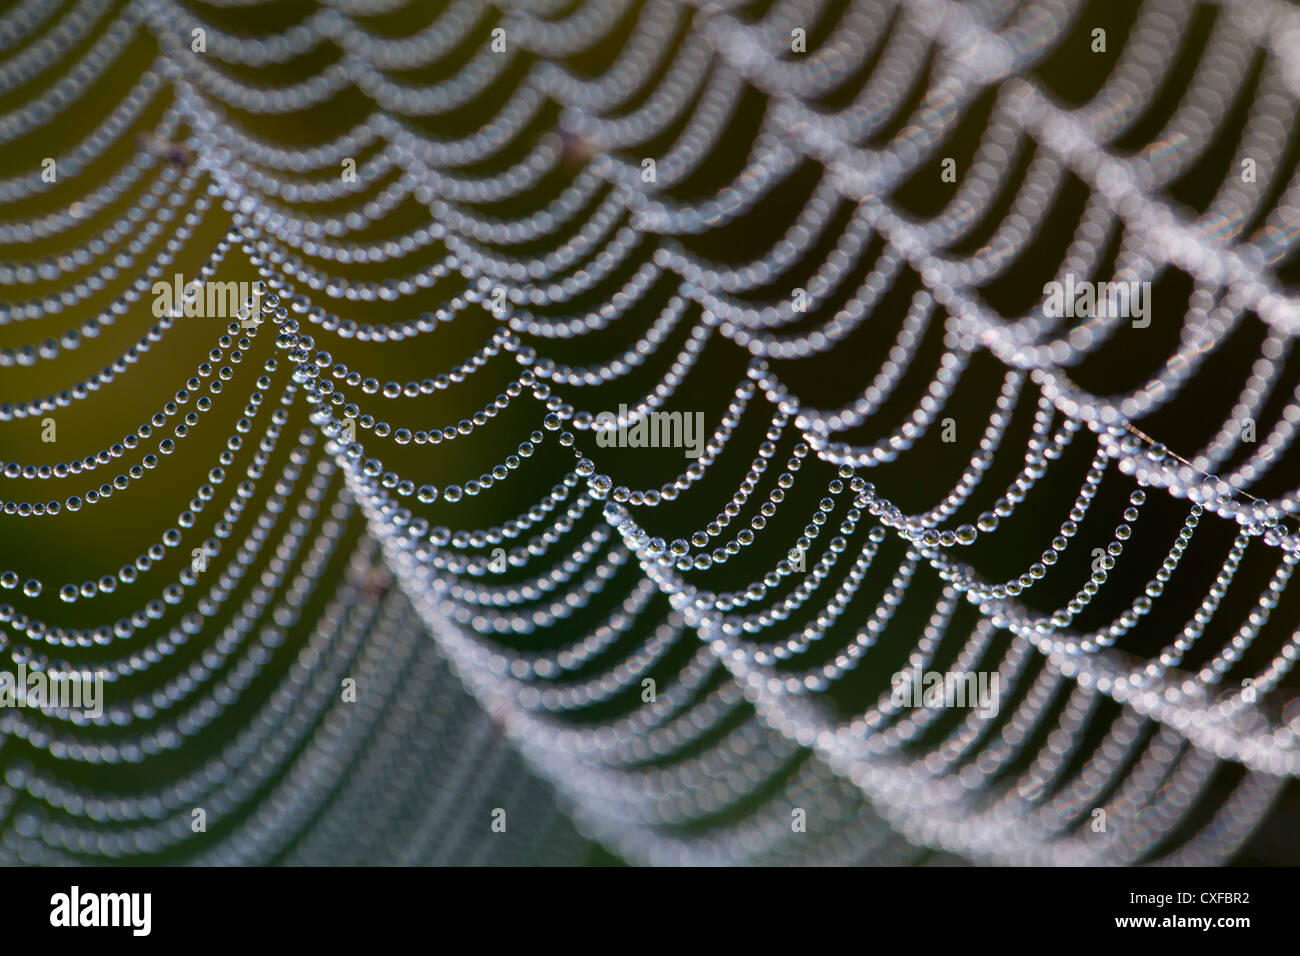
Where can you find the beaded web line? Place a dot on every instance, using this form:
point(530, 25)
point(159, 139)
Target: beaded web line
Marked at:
point(740, 734)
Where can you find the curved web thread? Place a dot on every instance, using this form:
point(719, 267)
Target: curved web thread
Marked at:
point(758, 738)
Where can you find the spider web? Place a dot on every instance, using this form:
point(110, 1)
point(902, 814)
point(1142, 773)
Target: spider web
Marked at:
point(688, 686)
